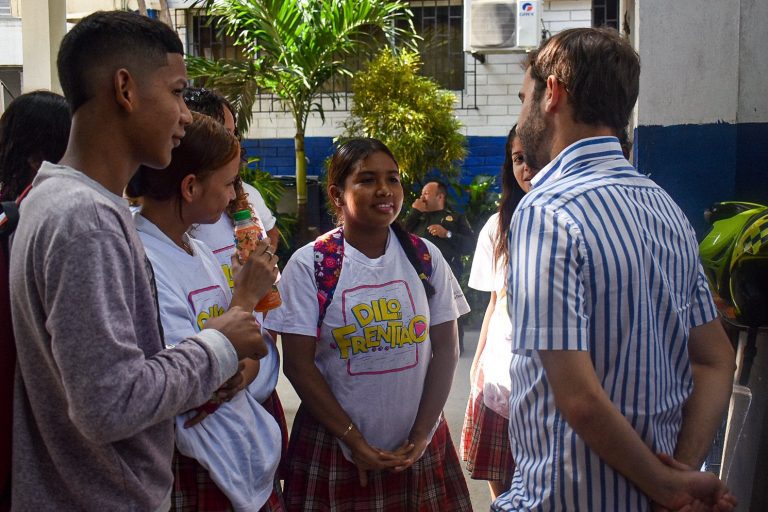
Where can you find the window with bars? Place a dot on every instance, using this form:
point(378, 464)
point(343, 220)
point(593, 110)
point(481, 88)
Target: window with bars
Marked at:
point(605, 13)
point(205, 40)
point(438, 22)
point(5, 7)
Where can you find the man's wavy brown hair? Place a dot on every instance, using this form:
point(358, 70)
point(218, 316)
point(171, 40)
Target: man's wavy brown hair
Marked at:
point(599, 69)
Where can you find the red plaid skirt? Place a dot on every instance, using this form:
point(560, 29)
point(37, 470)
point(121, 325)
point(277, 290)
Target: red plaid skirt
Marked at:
point(485, 443)
point(321, 479)
point(194, 491)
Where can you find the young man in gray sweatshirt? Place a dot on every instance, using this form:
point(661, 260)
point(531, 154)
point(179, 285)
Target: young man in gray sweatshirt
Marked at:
point(95, 389)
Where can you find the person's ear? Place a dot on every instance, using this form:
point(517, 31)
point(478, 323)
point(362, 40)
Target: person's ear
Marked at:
point(336, 195)
point(555, 94)
point(190, 188)
point(125, 89)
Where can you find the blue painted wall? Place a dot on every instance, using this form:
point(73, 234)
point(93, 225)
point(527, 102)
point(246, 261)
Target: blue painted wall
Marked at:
point(702, 164)
point(697, 164)
point(752, 162)
point(485, 155)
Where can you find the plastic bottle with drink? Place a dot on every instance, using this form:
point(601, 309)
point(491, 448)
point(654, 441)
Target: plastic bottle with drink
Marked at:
point(247, 233)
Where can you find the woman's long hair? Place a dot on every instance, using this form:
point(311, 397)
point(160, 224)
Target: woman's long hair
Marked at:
point(34, 127)
point(511, 194)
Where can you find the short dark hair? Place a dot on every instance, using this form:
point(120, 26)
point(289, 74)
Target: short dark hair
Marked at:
point(208, 102)
point(206, 146)
point(441, 188)
point(111, 39)
point(34, 126)
point(599, 69)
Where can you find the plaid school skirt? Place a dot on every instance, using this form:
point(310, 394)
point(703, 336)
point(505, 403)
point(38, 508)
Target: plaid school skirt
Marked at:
point(320, 478)
point(274, 406)
point(485, 442)
point(194, 491)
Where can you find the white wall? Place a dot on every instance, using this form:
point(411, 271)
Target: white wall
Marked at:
point(497, 83)
point(42, 33)
point(690, 61)
point(753, 63)
point(10, 42)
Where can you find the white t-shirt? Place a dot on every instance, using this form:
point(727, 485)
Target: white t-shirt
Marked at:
point(220, 238)
point(240, 443)
point(259, 206)
point(489, 275)
point(374, 346)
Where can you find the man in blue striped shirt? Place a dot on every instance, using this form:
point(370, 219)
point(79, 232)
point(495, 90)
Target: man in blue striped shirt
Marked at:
point(621, 372)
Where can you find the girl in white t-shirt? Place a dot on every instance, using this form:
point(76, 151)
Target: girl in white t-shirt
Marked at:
point(373, 373)
point(219, 238)
point(485, 439)
point(231, 440)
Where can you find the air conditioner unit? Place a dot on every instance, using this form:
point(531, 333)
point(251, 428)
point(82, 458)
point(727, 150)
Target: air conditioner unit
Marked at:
point(498, 26)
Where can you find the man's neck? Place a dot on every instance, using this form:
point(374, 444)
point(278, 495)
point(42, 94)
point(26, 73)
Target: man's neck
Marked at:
point(574, 132)
point(98, 152)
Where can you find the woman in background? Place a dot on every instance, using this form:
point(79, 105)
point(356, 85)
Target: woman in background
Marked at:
point(228, 449)
point(485, 439)
point(34, 128)
point(220, 239)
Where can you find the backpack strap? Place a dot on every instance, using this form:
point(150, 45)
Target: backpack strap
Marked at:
point(329, 253)
point(425, 259)
point(9, 214)
point(9, 218)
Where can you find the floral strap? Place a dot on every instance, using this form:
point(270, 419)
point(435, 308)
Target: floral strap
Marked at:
point(329, 254)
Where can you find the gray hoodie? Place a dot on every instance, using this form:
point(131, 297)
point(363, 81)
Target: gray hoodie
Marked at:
point(95, 390)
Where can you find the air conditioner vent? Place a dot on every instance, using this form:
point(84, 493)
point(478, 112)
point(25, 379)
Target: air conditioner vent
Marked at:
point(493, 26)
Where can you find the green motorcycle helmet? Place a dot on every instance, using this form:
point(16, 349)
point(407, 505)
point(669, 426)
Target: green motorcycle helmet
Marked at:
point(728, 220)
point(749, 272)
point(734, 254)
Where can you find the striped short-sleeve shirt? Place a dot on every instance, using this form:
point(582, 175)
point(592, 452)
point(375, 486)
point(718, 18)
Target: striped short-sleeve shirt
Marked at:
point(601, 260)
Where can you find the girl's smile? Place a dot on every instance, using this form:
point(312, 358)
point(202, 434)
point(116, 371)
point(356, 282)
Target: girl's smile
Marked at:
point(373, 195)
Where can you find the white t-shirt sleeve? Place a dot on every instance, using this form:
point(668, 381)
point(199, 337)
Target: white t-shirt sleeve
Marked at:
point(257, 202)
point(448, 302)
point(174, 314)
point(482, 275)
point(298, 289)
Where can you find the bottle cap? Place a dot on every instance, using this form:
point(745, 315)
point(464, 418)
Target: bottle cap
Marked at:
point(242, 215)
